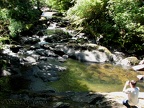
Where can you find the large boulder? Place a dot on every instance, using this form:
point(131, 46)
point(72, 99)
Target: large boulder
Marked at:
point(129, 61)
point(86, 52)
point(141, 62)
point(138, 67)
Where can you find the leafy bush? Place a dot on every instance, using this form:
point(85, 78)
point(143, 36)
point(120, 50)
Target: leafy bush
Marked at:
point(3, 32)
point(118, 22)
point(18, 14)
point(88, 15)
point(61, 5)
point(128, 17)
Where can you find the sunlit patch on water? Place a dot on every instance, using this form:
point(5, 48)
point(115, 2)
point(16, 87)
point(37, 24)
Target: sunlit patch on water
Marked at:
point(93, 77)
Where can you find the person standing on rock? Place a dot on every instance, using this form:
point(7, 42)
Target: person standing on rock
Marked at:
point(132, 94)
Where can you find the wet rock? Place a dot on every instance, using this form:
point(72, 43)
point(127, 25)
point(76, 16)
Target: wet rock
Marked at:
point(61, 105)
point(40, 33)
point(41, 52)
point(30, 40)
point(20, 96)
point(86, 53)
point(43, 58)
point(48, 15)
point(35, 70)
point(5, 73)
point(138, 67)
point(50, 53)
point(29, 60)
point(51, 79)
point(129, 61)
point(141, 62)
point(88, 98)
point(58, 52)
point(61, 59)
point(15, 48)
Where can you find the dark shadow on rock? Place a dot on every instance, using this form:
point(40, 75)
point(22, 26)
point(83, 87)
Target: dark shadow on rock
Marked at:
point(15, 49)
point(18, 83)
point(133, 107)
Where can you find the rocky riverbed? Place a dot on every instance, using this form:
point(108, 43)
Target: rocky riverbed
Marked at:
point(38, 59)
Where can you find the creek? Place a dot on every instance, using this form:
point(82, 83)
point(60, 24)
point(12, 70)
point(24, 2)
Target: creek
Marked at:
point(77, 76)
point(44, 63)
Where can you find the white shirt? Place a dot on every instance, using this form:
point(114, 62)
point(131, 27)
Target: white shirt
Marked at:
point(132, 95)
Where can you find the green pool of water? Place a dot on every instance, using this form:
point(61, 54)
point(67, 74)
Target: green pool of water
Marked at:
point(93, 77)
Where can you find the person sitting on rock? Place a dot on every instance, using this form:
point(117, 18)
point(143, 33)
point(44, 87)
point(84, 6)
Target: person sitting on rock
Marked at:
point(132, 94)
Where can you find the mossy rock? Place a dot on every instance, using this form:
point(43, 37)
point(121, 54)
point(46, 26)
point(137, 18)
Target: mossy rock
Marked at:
point(133, 60)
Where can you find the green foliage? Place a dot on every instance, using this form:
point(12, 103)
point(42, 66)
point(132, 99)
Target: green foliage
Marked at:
point(85, 10)
point(15, 27)
point(61, 5)
point(17, 14)
point(4, 83)
point(128, 17)
point(118, 22)
point(88, 15)
point(3, 33)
